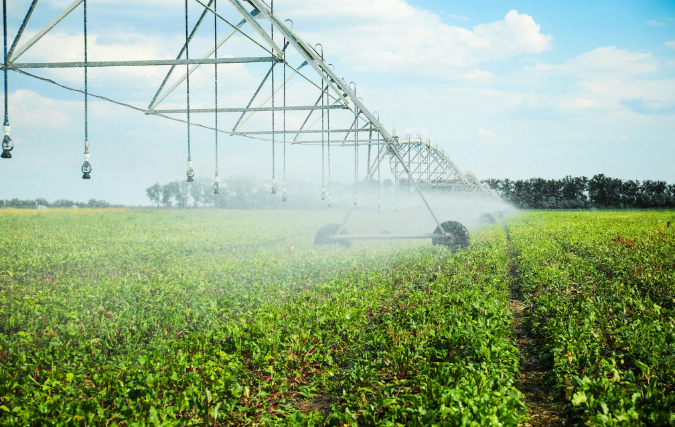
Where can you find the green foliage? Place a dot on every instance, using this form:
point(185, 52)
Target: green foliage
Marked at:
point(601, 291)
point(177, 318)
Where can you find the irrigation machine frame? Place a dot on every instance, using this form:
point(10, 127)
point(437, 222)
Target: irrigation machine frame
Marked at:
point(414, 162)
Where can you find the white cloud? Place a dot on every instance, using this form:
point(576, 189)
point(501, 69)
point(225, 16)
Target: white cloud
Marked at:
point(578, 103)
point(654, 23)
point(32, 110)
point(670, 44)
point(393, 36)
point(602, 63)
point(484, 133)
point(461, 18)
point(479, 75)
point(515, 34)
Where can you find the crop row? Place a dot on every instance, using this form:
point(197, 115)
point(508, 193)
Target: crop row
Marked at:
point(600, 288)
point(178, 319)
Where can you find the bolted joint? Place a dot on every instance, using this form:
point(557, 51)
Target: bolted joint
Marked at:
point(274, 186)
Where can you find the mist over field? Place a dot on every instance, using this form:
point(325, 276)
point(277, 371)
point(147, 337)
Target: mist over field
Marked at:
point(337, 213)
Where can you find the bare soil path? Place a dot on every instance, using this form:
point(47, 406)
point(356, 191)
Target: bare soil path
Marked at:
point(543, 405)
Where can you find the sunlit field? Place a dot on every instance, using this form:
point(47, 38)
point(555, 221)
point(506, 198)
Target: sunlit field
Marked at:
point(117, 317)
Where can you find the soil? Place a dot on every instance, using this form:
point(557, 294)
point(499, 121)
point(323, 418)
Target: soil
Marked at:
point(320, 402)
point(543, 406)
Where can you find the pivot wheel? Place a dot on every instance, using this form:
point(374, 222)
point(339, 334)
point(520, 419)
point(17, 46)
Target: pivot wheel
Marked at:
point(457, 236)
point(324, 234)
point(487, 218)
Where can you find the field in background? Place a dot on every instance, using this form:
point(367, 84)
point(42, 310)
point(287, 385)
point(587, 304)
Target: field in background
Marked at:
point(235, 317)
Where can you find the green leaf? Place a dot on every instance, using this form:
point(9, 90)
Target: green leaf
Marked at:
point(578, 398)
point(69, 377)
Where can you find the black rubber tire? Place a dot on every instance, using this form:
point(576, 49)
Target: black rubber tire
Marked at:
point(487, 218)
point(459, 237)
point(323, 235)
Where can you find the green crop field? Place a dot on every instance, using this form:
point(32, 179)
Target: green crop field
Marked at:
point(120, 317)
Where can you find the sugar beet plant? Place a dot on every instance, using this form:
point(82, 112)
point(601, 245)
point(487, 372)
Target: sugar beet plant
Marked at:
point(166, 318)
point(601, 294)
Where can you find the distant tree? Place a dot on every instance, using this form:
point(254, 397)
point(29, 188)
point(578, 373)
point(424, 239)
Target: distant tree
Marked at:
point(630, 193)
point(63, 203)
point(197, 192)
point(42, 202)
point(154, 193)
point(387, 183)
point(169, 191)
point(93, 203)
point(181, 195)
point(605, 192)
point(654, 194)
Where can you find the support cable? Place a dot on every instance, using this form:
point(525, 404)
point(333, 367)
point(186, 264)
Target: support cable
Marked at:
point(396, 185)
point(274, 185)
point(323, 174)
point(7, 144)
point(356, 152)
point(379, 183)
point(86, 167)
point(190, 173)
point(284, 195)
point(215, 89)
point(329, 187)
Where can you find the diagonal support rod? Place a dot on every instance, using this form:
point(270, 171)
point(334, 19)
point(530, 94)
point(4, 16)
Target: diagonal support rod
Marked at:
point(23, 27)
point(45, 30)
point(277, 89)
point(180, 54)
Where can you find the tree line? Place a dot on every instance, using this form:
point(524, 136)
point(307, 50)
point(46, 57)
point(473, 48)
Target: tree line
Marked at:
point(251, 193)
point(582, 193)
point(61, 203)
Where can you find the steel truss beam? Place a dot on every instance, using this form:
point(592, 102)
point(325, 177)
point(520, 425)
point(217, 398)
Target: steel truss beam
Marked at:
point(251, 109)
point(92, 64)
point(268, 132)
point(426, 165)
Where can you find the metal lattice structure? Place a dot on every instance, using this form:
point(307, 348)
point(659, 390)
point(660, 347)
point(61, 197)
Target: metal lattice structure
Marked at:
point(413, 162)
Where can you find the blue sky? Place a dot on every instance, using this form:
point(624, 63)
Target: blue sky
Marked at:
point(513, 89)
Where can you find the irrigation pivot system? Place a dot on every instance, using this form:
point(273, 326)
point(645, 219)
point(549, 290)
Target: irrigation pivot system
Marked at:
point(331, 113)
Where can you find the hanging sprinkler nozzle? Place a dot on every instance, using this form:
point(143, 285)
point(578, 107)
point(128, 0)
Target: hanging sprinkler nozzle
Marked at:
point(274, 186)
point(329, 200)
point(86, 166)
point(378, 206)
point(356, 202)
point(7, 145)
point(215, 185)
point(284, 196)
point(190, 173)
point(323, 194)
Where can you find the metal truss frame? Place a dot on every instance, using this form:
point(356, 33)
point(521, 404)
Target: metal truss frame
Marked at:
point(413, 162)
